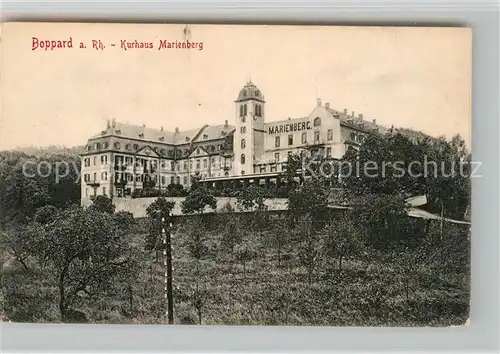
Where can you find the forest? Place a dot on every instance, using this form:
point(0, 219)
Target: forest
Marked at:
point(368, 265)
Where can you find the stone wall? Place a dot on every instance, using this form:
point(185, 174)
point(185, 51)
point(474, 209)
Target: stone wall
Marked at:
point(138, 206)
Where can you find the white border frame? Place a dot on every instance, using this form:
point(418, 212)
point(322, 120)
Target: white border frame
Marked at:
point(480, 335)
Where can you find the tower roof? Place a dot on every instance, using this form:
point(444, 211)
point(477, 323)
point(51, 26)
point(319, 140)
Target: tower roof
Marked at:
point(250, 92)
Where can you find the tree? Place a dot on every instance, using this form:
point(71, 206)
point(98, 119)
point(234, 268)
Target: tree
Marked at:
point(252, 199)
point(309, 200)
point(341, 240)
point(197, 200)
point(85, 252)
point(196, 246)
point(102, 204)
point(308, 245)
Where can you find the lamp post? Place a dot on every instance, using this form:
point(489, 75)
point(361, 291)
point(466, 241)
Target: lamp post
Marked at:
point(167, 262)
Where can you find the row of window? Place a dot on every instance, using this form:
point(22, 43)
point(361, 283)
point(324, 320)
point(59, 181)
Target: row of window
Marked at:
point(87, 161)
point(244, 111)
point(161, 151)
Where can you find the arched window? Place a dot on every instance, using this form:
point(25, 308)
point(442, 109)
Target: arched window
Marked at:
point(128, 147)
point(242, 172)
point(317, 122)
point(117, 145)
point(353, 136)
point(243, 143)
point(241, 111)
point(242, 159)
point(212, 148)
point(243, 130)
point(244, 109)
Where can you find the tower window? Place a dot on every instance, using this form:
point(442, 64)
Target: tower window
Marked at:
point(277, 141)
point(241, 111)
point(243, 143)
point(290, 139)
point(330, 134)
point(243, 130)
point(242, 159)
point(244, 110)
point(317, 122)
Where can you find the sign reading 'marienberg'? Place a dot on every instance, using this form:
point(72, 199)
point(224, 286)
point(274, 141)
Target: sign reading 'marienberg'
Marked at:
point(290, 127)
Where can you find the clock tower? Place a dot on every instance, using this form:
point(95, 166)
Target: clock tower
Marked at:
point(249, 133)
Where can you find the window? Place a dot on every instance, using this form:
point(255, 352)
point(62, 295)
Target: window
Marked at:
point(172, 165)
point(273, 168)
point(86, 192)
point(163, 180)
point(290, 140)
point(243, 143)
point(95, 160)
point(353, 136)
point(330, 134)
point(197, 164)
point(317, 122)
point(185, 180)
point(304, 138)
point(104, 160)
point(178, 179)
point(244, 110)
point(316, 137)
point(328, 152)
point(141, 135)
point(117, 145)
point(277, 141)
point(95, 176)
point(136, 146)
point(185, 165)
point(242, 159)
point(262, 169)
point(205, 163)
point(104, 176)
point(243, 130)
point(128, 147)
point(242, 172)
point(241, 111)
point(276, 156)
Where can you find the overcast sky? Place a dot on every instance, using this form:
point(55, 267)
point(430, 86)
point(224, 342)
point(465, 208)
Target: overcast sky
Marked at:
point(411, 77)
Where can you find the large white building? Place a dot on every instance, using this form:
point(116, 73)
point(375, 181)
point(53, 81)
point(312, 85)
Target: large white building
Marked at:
point(125, 157)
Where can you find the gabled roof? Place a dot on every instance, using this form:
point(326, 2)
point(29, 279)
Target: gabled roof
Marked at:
point(356, 122)
point(207, 132)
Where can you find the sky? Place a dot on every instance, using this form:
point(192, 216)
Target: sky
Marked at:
point(416, 78)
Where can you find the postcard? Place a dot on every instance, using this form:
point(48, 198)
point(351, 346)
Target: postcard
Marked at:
point(256, 175)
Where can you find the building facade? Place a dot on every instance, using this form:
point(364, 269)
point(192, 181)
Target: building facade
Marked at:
point(123, 157)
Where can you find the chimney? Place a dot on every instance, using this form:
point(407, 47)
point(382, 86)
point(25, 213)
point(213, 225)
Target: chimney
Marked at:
point(353, 115)
point(177, 130)
point(108, 124)
point(318, 101)
point(374, 121)
point(345, 110)
point(361, 116)
point(226, 124)
point(144, 125)
point(113, 122)
point(327, 105)
point(161, 128)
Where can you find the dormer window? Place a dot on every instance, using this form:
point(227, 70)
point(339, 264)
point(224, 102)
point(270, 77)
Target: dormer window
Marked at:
point(136, 147)
point(118, 131)
point(187, 138)
point(128, 147)
point(141, 136)
point(205, 136)
point(117, 145)
point(162, 138)
point(103, 132)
